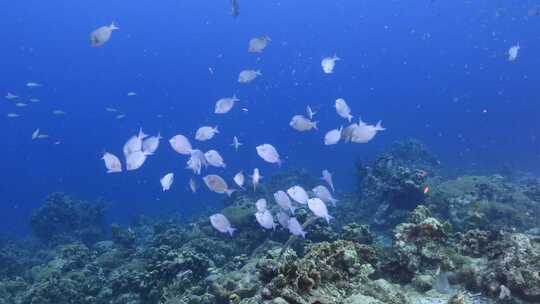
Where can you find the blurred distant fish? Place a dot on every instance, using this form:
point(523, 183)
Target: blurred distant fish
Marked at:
point(221, 223)
point(196, 161)
point(295, 228)
point(112, 163)
point(239, 179)
point(151, 144)
point(310, 113)
point(181, 144)
point(120, 116)
point(224, 105)
point(214, 159)
point(342, 109)
point(317, 206)
point(283, 201)
point(332, 137)
point(166, 181)
point(324, 194)
point(101, 35)
point(12, 115)
point(58, 112)
point(261, 205)
point(234, 8)
point(269, 154)
point(298, 194)
point(206, 133)
point(301, 123)
point(131, 94)
point(35, 134)
point(217, 184)
point(33, 85)
point(328, 64)
point(21, 104)
point(247, 76)
point(112, 110)
point(258, 44)
point(135, 160)
point(327, 177)
point(11, 96)
point(265, 219)
point(513, 52)
point(34, 100)
point(235, 143)
point(283, 219)
point(38, 135)
point(364, 133)
point(256, 178)
point(192, 185)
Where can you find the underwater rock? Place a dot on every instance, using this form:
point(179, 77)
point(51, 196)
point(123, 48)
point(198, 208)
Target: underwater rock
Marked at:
point(357, 233)
point(63, 219)
point(123, 237)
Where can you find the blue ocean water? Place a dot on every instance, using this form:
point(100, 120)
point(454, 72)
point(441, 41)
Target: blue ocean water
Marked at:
point(432, 70)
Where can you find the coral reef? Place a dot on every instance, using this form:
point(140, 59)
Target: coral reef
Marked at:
point(469, 239)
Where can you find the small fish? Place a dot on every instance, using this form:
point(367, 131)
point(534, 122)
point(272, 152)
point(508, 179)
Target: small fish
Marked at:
point(328, 64)
point(196, 161)
point(211, 71)
point(343, 109)
point(13, 115)
point(35, 134)
point(426, 189)
point(151, 144)
point(301, 123)
point(283, 201)
point(33, 85)
point(265, 219)
point(258, 44)
point(224, 105)
point(234, 8)
point(217, 184)
point(235, 143)
point(181, 144)
point(135, 160)
point(298, 194)
point(206, 133)
point(332, 137)
point(192, 185)
point(58, 112)
point(283, 219)
point(43, 136)
point(166, 181)
point(11, 96)
point(256, 178)
point(327, 177)
point(120, 116)
point(21, 104)
point(324, 194)
point(221, 224)
point(112, 163)
point(365, 133)
point(245, 109)
point(112, 110)
point(239, 179)
point(34, 100)
point(131, 94)
point(295, 228)
point(260, 204)
point(101, 35)
point(268, 153)
point(513, 52)
point(317, 206)
point(310, 113)
point(214, 159)
point(247, 76)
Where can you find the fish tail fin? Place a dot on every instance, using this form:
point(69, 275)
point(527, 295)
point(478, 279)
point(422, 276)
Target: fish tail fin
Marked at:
point(361, 122)
point(334, 201)
point(231, 231)
point(315, 125)
point(216, 129)
point(113, 26)
point(349, 117)
point(280, 162)
point(328, 217)
point(230, 191)
point(379, 126)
